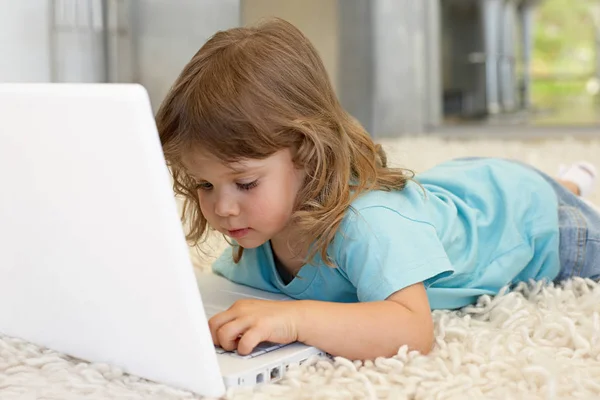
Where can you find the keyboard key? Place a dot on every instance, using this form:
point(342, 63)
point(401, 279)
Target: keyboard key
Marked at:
point(268, 346)
point(255, 353)
point(262, 348)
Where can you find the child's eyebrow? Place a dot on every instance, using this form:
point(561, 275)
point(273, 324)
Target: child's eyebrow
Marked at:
point(234, 170)
point(238, 168)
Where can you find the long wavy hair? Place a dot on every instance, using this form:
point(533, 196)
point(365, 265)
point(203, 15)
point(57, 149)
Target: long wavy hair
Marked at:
point(249, 92)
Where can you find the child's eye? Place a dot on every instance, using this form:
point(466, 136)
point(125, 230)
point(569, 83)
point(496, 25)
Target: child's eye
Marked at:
point(204, 186)
point(247, 186)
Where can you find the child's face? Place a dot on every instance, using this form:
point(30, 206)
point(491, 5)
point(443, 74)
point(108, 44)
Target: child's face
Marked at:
point(250, 201)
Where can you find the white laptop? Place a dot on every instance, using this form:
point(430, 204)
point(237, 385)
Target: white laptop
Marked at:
point(93, 260)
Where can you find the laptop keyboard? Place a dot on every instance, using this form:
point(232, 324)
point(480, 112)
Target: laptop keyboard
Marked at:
point(261, 349)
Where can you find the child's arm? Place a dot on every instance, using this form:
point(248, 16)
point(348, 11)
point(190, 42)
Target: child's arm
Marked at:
point(355, 331)
point(372, 329)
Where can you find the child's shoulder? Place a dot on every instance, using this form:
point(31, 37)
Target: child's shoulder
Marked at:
point(379, 219)
point(380, 207)
point(413, 195)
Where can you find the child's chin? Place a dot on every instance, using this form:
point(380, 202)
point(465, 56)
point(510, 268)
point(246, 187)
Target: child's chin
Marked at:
point(250, 243)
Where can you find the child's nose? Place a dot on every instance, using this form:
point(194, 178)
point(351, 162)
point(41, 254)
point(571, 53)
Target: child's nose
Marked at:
point(226, 207)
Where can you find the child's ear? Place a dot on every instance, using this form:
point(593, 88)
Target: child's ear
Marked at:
point(301, 171)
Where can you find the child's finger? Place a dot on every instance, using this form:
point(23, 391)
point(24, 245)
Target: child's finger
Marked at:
point(252, 338)
point(216, 322)
point(229, 333)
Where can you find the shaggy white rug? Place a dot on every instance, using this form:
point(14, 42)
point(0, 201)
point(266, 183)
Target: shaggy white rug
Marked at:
point(533, 343)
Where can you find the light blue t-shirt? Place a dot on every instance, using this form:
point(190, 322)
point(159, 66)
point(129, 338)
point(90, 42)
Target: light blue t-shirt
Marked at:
point(473, 227)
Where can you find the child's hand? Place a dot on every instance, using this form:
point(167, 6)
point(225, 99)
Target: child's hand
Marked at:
point(250, 322)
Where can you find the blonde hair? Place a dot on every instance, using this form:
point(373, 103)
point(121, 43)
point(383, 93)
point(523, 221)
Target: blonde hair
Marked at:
point(249, 92)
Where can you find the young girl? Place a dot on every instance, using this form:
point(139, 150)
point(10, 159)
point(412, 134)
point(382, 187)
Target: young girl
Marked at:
point(263, 153)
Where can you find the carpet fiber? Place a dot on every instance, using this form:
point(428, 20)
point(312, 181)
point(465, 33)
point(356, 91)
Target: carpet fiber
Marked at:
point(537, 342)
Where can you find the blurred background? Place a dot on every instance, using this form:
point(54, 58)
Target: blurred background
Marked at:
point(402, 67)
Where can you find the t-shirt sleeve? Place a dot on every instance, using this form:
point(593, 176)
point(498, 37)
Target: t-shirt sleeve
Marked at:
point(252, 270)
point(382, 251)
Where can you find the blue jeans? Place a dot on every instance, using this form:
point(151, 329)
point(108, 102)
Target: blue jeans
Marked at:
point(579, 227)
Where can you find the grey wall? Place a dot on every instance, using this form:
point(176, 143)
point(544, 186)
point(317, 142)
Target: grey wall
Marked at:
point(76, 40)
point(356, 51)
point(382, 55)
point(390, 69)
point(508, 58)
point(432, 99)
point(51, 40)
point(149, 40)
point(166, 37)
point(399, 67)
point(24, 47)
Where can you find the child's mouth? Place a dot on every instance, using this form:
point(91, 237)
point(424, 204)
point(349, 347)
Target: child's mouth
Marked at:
point(238, 233)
